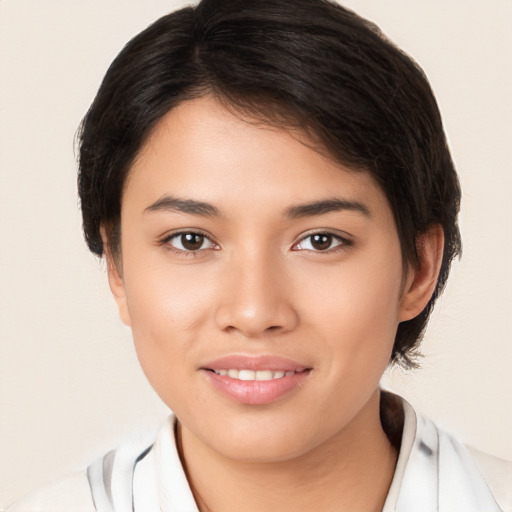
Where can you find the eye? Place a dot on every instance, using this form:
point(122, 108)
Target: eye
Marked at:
point(190, 242)
point(321, 242)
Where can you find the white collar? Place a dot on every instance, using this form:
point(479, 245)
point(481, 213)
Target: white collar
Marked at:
point(434, 472)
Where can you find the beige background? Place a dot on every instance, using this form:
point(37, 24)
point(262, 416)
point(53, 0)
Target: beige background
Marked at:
point(70, 386)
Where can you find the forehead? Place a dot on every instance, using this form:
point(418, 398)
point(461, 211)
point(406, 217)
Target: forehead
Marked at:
point(204, 151)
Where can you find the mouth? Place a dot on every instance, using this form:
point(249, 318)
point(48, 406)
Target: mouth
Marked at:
point(256, 380)
point(256, 375)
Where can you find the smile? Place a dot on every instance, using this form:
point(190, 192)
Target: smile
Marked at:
point(259, 375)
point(255, 380)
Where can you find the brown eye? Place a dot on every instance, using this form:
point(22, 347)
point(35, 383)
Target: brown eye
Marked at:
point(321, 241)
point(190, 242)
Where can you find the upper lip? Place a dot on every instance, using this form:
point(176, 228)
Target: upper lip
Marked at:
point(255, 362)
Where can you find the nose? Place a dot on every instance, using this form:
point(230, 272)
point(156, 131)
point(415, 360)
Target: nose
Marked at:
point(256, 298)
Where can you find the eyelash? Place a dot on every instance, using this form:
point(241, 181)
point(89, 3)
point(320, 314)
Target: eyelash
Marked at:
point(343, 243)
point(184, 252)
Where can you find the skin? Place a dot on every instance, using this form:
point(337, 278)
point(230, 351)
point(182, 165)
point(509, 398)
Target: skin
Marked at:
point(258, 285)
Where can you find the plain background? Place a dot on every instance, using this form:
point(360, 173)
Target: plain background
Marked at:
point(70, 385)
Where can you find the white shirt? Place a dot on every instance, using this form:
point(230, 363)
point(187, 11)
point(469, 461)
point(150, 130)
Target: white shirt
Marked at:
point(434, 472)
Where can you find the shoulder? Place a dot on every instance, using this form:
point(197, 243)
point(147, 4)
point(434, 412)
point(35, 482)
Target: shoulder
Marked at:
point(106, 484)
point(464, 471)
point(497, 473)
point(458, 458)
point(436, 469)
point(70, 493)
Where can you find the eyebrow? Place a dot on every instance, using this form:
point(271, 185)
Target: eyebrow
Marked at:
point(171, 203)
point(193, 207)
point(327, 206)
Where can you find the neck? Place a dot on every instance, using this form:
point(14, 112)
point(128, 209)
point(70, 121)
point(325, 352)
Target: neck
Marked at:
point(350, 471)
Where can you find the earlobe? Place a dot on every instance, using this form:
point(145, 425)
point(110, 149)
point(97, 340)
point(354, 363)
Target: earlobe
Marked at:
point(422, 279)
point(115, 281)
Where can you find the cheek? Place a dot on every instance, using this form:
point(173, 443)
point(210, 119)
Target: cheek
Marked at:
point(167, 310)
point(161, 296)
point(357, 306)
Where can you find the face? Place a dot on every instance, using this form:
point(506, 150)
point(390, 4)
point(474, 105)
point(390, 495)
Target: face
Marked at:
point(263, 283)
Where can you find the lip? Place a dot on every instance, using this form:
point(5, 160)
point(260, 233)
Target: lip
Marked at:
point(259, 362)
point(253, 392)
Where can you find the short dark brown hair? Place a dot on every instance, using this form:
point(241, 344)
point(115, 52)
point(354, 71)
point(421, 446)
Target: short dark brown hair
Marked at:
point(306, 64)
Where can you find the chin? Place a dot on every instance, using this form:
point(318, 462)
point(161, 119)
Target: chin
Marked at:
point(264, 438)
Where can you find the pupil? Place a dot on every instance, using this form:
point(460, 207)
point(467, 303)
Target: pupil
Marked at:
point(321, 241)
point(192, 241)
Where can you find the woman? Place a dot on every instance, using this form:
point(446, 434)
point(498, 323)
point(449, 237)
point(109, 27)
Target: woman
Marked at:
point(270, 185)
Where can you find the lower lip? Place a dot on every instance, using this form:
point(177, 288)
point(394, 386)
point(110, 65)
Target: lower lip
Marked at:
point(255, 392)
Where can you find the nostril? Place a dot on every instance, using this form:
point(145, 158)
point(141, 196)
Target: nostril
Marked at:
point(261, 317)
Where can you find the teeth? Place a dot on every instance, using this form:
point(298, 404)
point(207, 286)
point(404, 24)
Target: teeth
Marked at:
point(264, 375)
point(247, 375)
point(254, 375)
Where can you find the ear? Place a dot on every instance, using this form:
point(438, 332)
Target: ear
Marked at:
point(421, 279)
point(115, 280)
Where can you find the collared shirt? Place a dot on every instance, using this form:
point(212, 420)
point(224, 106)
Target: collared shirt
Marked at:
point(434, 472)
